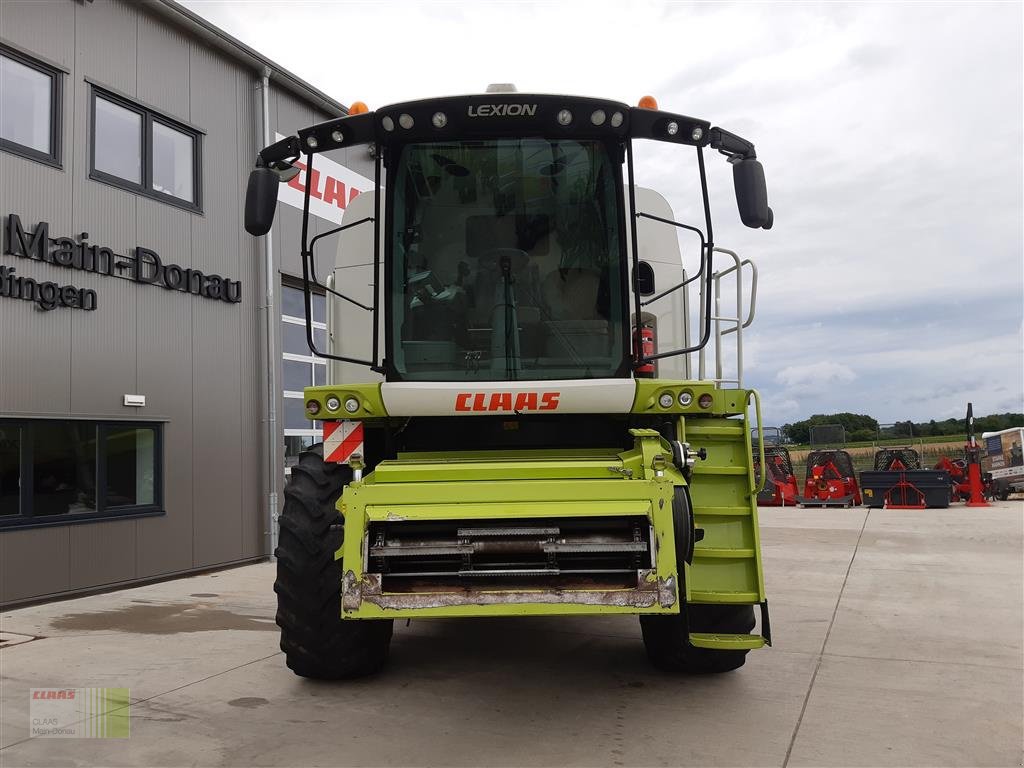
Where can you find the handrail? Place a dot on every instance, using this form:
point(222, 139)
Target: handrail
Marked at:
point(760, 440)
point(753, 284)
point(733, 324)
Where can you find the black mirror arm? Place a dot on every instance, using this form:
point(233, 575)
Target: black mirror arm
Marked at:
point(279, 155)
point(731, 145)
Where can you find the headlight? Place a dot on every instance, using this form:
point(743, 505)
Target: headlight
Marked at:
point(332, 403)
point(685, 398)
point(313, 407)
point(351, 405)
point(705, 400)
point(666, 400)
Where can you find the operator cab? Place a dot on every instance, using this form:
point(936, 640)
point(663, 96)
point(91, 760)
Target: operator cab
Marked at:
point(507, 261)
point(506, 233)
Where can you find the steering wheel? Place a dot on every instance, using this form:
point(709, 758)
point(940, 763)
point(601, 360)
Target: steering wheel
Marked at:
point(502, 259)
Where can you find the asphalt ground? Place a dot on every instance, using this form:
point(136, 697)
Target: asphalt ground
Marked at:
point(898, 641)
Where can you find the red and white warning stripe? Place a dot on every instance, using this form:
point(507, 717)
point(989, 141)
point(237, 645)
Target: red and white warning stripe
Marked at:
point(342, 439)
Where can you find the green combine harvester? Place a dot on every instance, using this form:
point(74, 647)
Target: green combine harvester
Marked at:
point(512, 423)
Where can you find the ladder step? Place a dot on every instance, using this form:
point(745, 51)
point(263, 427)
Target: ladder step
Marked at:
point(722, 552)
point(724, 597)
point(703, 469)
point(715, 430)
point(725, 642)
point(722, 511)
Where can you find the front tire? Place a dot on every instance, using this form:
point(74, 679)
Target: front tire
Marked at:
point(316, 641)
point(667, 637)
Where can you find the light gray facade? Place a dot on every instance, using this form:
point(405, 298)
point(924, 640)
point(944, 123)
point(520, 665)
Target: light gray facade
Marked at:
point(200, 362)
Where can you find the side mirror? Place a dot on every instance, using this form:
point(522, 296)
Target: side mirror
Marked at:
point(260, 201)
point(645, 278)
point(752, 194)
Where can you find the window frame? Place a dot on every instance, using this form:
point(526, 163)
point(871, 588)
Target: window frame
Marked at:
point(315, 429)
point(25, 517)
point(149, 117)
point(54, 157)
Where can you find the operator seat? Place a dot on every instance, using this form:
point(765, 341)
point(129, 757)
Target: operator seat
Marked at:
point(576, 327)
point(571, 294)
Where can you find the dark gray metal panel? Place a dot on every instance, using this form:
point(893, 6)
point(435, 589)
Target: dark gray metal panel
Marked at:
point(35, 346)
point(35, 349)
point(106, 43)
point(290, 115)
point(164, 375)
point(198, 361)
point(34, 563)
point(216, 337)
point(103, 342)
point(163, 63)
point(102, 553)
point(164, 544)
point(45, 29)
point(103, 366)
point(253, 379)
point(358, 159)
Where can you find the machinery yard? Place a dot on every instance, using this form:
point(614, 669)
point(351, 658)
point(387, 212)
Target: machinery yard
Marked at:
point(897, 641)
point(450, 444)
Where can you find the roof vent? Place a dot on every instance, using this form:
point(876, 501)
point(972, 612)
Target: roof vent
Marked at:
point(502, 88)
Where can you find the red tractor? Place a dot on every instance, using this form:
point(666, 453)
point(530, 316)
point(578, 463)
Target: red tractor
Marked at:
point(830, 480)
point(780, 486)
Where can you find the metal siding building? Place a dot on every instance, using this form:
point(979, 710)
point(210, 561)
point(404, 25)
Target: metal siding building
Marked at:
point(200, 362)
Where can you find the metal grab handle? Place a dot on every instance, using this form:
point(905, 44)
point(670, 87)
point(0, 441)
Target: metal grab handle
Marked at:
point(760, 440)
point(753, 291)
point(738, 264)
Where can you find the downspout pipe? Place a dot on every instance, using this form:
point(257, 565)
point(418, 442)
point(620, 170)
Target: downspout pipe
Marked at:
point(270, 308)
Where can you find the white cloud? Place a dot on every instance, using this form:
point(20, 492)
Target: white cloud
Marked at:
point(814, 377)
point(891, 135)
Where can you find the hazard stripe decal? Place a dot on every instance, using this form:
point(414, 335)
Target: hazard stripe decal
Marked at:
point(342, 440)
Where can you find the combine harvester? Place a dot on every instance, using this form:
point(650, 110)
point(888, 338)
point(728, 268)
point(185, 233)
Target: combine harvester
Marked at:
point(510, 424)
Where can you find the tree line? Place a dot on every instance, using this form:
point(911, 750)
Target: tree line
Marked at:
point(861, 427)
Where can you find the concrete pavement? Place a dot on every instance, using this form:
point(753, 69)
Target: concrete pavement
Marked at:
point(898, 641)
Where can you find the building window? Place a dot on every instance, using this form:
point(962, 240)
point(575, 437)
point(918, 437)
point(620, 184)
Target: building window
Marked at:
point(30, 101)
point(61, 471)
point(117, 141)
point(300, 369)
point(145, 152)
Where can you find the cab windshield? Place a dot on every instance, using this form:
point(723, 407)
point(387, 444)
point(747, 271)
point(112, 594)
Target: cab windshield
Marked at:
point(506, 261)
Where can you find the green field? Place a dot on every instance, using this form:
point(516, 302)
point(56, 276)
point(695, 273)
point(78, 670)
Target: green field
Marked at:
point(896, 442)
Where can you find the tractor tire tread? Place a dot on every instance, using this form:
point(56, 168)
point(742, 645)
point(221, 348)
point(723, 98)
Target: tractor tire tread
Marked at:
point(316, 641)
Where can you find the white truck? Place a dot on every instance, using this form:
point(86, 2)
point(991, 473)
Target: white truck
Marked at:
point(1004, 462)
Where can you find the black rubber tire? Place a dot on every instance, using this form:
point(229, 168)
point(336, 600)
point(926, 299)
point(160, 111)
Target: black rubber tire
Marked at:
point(667, 638)
point(316, 641)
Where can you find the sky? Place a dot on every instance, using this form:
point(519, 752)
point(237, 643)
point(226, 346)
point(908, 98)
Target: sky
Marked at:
point(892, 282)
